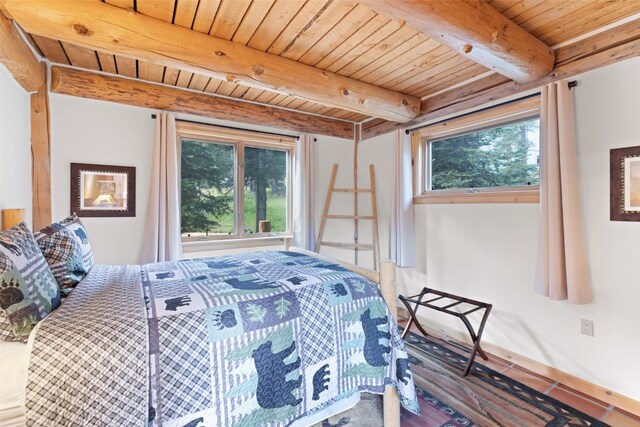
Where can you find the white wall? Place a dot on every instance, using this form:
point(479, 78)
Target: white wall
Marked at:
point(488, 252)
point(88, 131)
point(15, 145)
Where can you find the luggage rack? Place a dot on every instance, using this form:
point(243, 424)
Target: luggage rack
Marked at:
point(417, 301)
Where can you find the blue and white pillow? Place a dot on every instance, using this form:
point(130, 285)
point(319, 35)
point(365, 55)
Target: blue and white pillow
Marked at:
point(28, 290)
point(66, 248)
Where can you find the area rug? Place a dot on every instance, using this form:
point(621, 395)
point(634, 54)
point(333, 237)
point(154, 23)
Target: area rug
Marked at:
point(447, 399)
point(483, 398)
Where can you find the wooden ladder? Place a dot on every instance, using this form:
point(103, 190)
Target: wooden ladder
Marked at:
point(375, 246)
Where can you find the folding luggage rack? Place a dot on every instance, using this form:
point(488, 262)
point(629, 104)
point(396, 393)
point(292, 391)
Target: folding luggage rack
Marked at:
point(417, 301)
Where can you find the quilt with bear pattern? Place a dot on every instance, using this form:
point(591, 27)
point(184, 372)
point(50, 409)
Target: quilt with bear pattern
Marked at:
point(264, 338)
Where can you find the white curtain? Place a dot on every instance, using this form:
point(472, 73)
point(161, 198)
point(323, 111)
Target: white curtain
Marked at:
point(402, 227)
point(162, 230)
point(304, 230)
point(563, 267)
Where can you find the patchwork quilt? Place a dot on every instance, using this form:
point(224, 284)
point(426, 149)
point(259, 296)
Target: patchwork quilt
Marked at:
point(266, 338)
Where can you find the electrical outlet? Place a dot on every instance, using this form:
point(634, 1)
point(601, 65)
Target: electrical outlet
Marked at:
point(586, 327)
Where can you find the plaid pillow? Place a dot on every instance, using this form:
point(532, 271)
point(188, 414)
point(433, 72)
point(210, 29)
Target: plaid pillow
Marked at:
point(28, 290)
point(66, 248)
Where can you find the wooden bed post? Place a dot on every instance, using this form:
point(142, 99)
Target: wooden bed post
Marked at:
point(391, 402)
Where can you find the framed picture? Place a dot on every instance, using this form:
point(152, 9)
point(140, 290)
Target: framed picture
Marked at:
point(625, 184)
point(102, 190)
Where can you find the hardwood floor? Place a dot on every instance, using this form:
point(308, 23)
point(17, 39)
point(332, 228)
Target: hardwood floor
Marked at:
point(580, 401)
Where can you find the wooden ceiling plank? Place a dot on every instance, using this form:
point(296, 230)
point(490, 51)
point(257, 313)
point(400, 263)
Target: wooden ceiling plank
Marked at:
point(252, 20)
point(547, 6)
point(229, 18)
point(317, 29)
point(252, 94)
point(402, 62)
point(266, 96)
point(357, 18)
point(478, 31)
point(125, 4)
point(573, 26)
point(516, 9)
point(280, 15)
point(170, 76)
point(305, 16)
point(278, 99)
point(614, 45)
point(226, 88)
point(392, 41)
point(213, 86)
point(351, 43)
point(159, 9)
point(444, 66)
point(389, 57)
point(185, 13)
point(150, 72)
point(51, 49)
point(81, 57)
point(149, 39)
point(240, 91)
point(333, 62)
point(455, 76)
point(199, 82)
point(84, 84)
point(107, 63)
point(184, 78)
point(502, 5)
point(411, 83)
point(205, 15)
point(559, 12)
point(420, 66)
point(126, 66)
point(623, 34)
point(15, 54)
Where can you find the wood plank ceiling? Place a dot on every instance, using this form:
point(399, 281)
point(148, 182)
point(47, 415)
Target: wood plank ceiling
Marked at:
point(341, 36)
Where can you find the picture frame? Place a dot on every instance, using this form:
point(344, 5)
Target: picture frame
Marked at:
point(103, 190)
point(625, 184)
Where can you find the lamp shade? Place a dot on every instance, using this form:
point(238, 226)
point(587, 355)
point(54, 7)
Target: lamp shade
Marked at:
point(11, 217)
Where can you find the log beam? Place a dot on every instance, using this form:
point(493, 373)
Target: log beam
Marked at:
point(608, 47)
point(110, 29)
point(477, 31)
point(18, 58)
point(68, 81)
point(40, 157)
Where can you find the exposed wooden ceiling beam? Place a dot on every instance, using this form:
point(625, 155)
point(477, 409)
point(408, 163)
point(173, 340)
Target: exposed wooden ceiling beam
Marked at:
point(68, 81)
point(616, 44)
point(476, 30)
point(106, 28)
point(18, 58)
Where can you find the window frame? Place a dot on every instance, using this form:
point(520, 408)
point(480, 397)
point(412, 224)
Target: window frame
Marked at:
point(421, 140)
point(239, 139)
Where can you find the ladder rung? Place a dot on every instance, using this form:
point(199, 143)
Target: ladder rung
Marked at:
point(348, 245)
point(352, 190)
point(349, 216)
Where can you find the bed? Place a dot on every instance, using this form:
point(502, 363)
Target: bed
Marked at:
point(265, 338)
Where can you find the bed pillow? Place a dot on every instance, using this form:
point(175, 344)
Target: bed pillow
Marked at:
point(66, 248)
point(28, 290)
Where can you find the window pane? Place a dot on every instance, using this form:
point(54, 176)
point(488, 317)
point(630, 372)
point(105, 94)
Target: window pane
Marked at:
point(505, 155)
point(265, 191)
point(208, 183)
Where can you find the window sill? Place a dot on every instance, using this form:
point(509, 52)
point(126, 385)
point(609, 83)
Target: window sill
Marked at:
point(502, 196)
point(219, 244)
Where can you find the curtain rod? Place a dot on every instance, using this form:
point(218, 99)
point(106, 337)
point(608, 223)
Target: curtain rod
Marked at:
point(571, 84)
point(153, 116)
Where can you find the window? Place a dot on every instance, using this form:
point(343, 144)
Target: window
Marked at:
point(234, 184)
point(490, 156)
